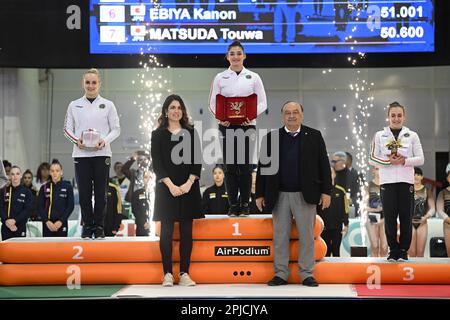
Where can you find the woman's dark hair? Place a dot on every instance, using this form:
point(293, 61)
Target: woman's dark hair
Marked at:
point(27, 172)
point(6, 163)
point(56, 161)
point(395, 104)
point(163, 121)
point(43, 165)
point(418, 171)
point(235, 44)
point(218, 166)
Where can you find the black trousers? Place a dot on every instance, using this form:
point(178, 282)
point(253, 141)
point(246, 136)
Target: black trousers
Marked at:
point(8, 234)
point(341, 14)
point(398, 201)
point(165, 245)
point(239, 167)
point(318, 6)
point(92, 173)
point(332, 238)
point(140, 222)
point(62, 232)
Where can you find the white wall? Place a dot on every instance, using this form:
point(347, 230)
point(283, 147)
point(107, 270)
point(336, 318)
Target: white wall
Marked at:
point(425, 92)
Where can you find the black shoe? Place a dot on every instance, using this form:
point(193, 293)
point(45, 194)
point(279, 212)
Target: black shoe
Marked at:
point(277, 281)
point(99, 233)
point(393, 256)
point(87, 232)
point(403, 256)
point(310, 282)
point(234, 210)
point(245, 210)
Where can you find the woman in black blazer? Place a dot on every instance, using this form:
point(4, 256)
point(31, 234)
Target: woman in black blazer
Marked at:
point(177, 196)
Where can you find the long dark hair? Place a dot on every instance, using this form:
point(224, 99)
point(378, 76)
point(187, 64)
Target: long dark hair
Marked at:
point(163, 121)
point(43, 165)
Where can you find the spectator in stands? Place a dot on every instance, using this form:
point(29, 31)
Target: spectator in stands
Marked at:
point(42, 175)
point(27, 181)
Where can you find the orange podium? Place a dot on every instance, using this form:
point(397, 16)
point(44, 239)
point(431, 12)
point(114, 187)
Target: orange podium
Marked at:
point(225, 250)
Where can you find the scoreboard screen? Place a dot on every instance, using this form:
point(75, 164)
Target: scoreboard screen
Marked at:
point(263, 26)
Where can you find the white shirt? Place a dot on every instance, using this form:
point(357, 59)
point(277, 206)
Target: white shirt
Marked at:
point(100, 115)
point(229, 84)
point(295, 133)
point(379, 155)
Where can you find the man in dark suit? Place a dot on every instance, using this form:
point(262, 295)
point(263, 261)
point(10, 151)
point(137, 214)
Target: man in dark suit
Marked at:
point(301, 182)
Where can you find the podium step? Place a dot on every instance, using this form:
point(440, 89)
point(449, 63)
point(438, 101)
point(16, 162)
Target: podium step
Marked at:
point(257, 227)
point(138, 249)
point(329, 271)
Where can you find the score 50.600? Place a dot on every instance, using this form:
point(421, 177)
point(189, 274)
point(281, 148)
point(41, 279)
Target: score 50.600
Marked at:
point(405, 32)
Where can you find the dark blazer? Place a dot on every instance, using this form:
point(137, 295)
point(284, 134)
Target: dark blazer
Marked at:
point(314, 168)
point(215, 200)
point(167, 207)
point(62, 199)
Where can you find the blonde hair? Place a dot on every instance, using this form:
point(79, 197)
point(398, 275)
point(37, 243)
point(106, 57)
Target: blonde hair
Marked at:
point(93, 71)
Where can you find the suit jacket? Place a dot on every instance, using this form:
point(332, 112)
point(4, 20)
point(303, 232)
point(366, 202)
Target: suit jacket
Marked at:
point(314, 168)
